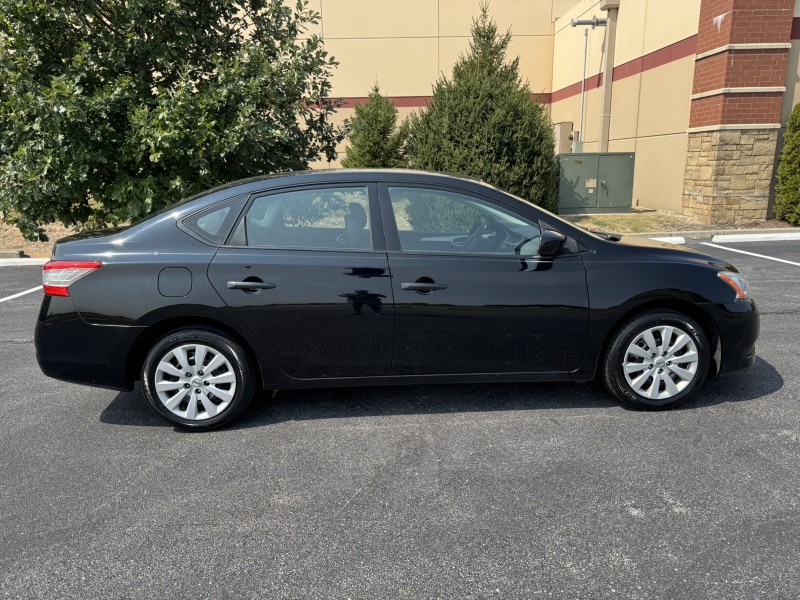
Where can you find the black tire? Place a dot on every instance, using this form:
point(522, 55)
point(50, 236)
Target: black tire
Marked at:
point(230, 397)
point(613, 375)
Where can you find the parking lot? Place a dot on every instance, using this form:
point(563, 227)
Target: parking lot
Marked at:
point(472, 491)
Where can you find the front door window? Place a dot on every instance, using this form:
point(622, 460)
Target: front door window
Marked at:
point(431, 220)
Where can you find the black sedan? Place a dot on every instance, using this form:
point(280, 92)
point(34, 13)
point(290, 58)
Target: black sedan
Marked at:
point(344, 278)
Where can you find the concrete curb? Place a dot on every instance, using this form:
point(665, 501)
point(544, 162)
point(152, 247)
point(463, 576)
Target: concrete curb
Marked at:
point(764, 237)
point(670, 239)
point(22, 262)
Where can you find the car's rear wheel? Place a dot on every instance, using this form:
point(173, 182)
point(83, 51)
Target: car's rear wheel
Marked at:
point(198, 378)
point(656, 360)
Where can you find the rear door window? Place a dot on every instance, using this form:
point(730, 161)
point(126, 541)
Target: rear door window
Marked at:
point(334, 218)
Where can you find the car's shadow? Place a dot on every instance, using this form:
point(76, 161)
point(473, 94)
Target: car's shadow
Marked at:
point(762, 379)
point(130, 408)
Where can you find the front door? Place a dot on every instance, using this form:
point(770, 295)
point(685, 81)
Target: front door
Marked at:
point(470, 294)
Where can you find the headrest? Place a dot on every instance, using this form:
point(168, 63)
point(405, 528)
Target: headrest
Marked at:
point(357, 215)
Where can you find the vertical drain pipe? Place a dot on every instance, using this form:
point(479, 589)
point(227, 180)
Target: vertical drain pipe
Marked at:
point(593, 22)
point(612, 7)
point(583, 87)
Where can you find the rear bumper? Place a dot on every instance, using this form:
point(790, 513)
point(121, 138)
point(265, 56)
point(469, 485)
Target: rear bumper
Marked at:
point(69, 349)
point(739, 325)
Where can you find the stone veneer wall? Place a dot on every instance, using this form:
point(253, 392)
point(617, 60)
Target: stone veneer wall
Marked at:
point(728, 175)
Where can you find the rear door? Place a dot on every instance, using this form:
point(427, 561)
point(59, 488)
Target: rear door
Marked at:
point(471, 295)
point(306, 271)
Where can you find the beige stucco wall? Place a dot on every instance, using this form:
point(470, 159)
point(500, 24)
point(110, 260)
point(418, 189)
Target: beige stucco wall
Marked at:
point(568, 46)
point(406, 45)
point(665, 98)
point(649, 110)
point(669, 21)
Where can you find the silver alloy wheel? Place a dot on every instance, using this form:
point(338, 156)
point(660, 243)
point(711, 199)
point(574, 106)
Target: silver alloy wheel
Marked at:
point(660, 362)
point(195, 381)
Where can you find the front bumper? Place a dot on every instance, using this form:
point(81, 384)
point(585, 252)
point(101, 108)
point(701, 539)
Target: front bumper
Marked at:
point(738, 324)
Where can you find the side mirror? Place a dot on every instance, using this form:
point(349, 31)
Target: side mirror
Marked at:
point(551, 243)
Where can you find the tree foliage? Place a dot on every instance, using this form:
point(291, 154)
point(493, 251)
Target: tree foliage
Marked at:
point(110, 109)
point(787, 197)
point(439, 212)
point(375, 139)
point(483, 122)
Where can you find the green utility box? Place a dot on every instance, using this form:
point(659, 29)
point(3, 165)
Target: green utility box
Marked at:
point(595, 182)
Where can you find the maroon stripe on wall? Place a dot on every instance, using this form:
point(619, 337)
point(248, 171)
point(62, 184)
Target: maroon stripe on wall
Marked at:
point(417, 101)
point(657, 58)
point(593, 82)
point(398, 101)
point(796, 28)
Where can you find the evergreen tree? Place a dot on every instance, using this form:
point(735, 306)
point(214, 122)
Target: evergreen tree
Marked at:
point(375, 139)
point(787, 197)
point(483, 123)
point(110, 109)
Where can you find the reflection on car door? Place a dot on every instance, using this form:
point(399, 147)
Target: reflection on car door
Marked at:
point(307, 273)
point(469, 296)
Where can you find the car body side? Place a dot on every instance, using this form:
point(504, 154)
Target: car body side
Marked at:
point(101, 333)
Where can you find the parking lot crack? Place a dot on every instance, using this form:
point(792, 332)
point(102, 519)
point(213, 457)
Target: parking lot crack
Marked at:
point(16, 341)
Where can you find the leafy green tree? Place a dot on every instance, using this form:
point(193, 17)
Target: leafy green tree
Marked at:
point(110, 109)
point(787, 197)
point(483, 122)
point(375, 139)
point(437, 212)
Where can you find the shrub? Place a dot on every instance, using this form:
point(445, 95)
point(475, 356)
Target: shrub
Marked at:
point(438, 212)
point(375, 139)
point(483, 123)
point(787, 197)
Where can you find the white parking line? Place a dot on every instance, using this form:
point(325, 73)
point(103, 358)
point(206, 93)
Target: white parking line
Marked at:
point(30, 291)
point(788, 262)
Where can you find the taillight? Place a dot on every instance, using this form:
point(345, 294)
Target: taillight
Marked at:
point(58, 275)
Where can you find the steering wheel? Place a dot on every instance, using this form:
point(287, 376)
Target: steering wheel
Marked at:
point(476, 232)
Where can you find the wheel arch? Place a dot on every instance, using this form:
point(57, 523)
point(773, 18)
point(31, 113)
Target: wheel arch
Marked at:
point(683, 306)
point(151, 335)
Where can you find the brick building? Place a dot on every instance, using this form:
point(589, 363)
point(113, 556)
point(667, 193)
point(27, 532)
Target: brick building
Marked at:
point(700, 89)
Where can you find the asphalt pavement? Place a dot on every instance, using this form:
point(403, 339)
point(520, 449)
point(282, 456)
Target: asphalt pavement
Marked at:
point(473, 491)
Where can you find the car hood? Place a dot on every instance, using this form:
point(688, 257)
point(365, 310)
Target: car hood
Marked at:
point(667, 251)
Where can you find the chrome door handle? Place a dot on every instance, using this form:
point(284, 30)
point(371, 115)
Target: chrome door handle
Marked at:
point(251, 285)
point(423, 287)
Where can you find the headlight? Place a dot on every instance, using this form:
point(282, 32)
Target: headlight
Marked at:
point(737, 283)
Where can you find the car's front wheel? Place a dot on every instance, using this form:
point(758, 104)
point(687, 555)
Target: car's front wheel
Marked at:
point(198, 378)
point(655, 360)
